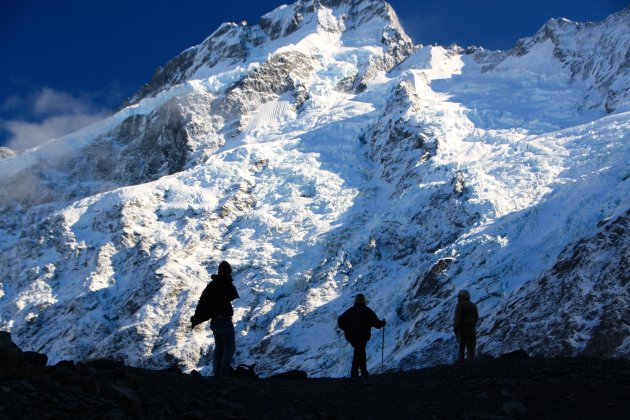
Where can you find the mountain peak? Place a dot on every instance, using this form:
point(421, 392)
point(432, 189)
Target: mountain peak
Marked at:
point(305, 152)
point(348, 22)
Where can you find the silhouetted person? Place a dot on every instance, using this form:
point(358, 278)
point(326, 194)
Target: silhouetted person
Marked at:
point(465, 325)
point(215, 304)
point(357, 323)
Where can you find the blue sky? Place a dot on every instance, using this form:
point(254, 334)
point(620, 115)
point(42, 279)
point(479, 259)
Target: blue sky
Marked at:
point(66, 63)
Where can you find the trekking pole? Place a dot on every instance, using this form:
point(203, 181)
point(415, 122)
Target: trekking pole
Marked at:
point(383, 350)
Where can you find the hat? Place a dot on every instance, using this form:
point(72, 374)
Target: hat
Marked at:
point(225, 268)
point(360, 299)
point(463, 295)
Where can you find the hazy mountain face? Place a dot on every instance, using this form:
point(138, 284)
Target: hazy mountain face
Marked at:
point(325, 155)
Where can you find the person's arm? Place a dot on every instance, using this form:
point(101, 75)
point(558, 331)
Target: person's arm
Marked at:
point(457, 321)
point(233, 293)
point(341, 321)
point(375, 322)
point(203, 308)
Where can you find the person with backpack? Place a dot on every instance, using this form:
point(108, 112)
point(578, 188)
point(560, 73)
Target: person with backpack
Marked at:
point(465, 325)
point(357, 323)
point(215, 304)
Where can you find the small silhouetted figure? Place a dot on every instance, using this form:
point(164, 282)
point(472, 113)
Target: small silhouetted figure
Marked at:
point(465, 325)
point(357, 323)
point(215, 304)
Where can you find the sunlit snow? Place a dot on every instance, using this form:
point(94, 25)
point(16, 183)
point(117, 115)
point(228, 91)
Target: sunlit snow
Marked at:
point(313, 203)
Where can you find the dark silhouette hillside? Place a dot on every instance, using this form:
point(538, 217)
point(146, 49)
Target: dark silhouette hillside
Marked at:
point(485, 389)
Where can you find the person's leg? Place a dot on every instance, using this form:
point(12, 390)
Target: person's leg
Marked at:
point(354, 372)
point(218, 348)
point(471, 345)
point(229, 347)
point(363, 359)
point(462, 347)
point(467, 343)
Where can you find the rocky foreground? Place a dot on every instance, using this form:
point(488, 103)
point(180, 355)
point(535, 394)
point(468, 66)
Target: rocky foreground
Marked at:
point(485, 389)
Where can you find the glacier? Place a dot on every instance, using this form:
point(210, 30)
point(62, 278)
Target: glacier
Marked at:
point(323, 154)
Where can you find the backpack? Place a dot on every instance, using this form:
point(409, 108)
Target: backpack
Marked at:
point(244, 370)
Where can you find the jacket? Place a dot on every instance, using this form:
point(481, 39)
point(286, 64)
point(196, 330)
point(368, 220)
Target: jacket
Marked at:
point(466, 316)
point(357, 323)
point(216, 299)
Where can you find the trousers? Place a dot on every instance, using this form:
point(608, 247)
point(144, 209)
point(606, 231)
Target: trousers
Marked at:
point(224, 345)
point(359, 359)
point(467, 338)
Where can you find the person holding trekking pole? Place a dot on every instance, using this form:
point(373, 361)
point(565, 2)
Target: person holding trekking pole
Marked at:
point(357, 323)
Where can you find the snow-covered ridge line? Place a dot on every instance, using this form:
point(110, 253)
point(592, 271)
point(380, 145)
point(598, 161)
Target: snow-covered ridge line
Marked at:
point(593, 53)
point(79, 139)
point(323, 21)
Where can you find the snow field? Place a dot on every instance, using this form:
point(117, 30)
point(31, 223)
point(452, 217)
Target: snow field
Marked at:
point(308, 219)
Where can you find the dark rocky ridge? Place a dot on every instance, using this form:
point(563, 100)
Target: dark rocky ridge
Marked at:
point(484, 389)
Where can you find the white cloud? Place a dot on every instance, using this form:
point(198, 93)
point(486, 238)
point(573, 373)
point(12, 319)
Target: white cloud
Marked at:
point(12, 102)
point(51, 114)
point(25, 135)
point(50, 102)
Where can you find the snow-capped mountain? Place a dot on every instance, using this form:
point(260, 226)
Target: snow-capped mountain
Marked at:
point(325, 155)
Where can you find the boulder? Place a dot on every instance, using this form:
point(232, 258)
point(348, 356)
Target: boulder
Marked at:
point(516, 354)
point(6, 343)
point(35, 359)
point(515, 409)
point(12, 363)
